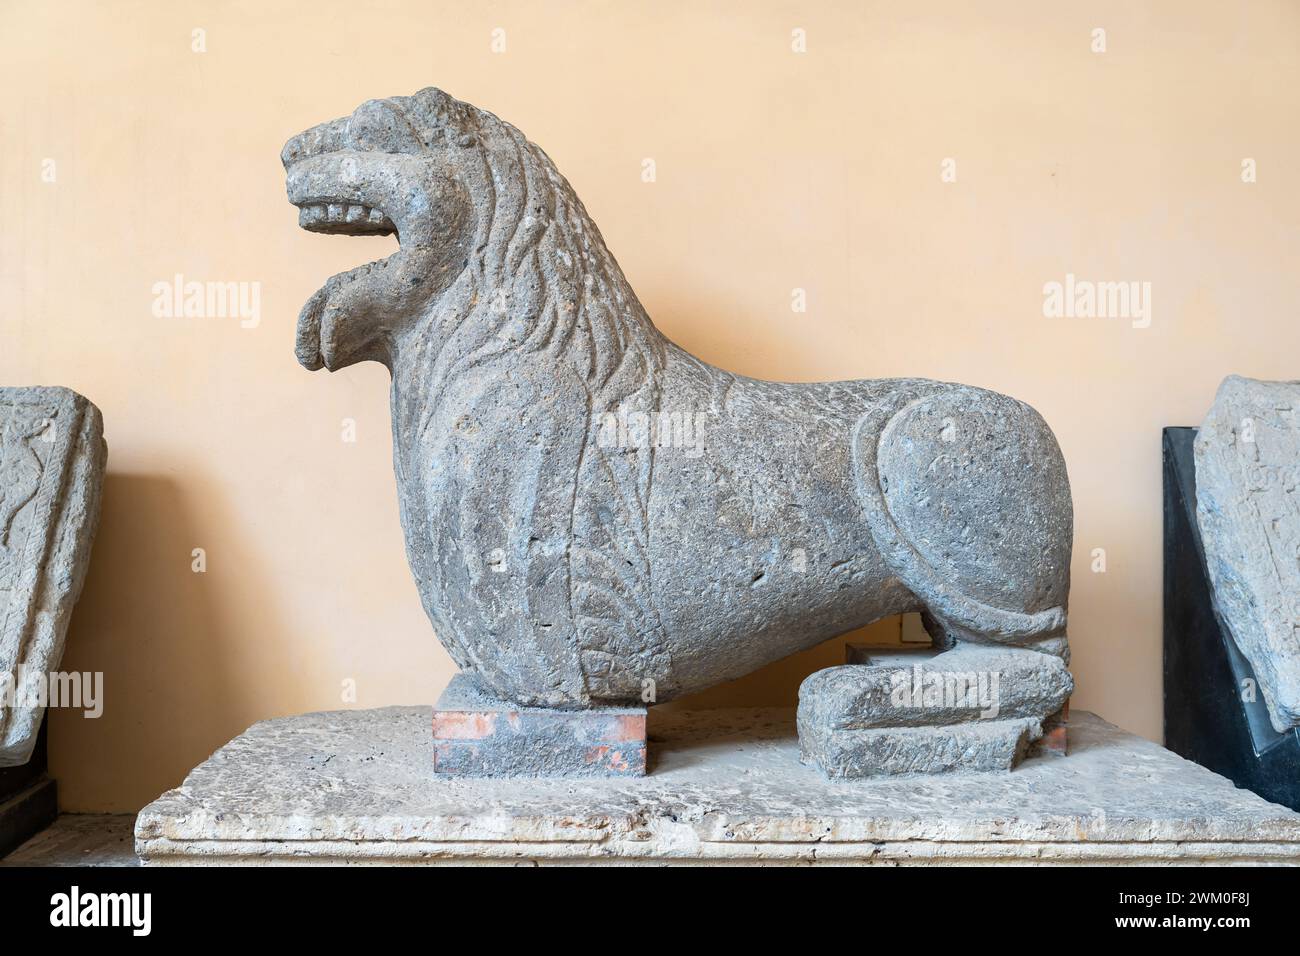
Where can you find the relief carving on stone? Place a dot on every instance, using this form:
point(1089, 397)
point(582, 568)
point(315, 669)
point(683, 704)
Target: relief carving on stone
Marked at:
point(52, 458)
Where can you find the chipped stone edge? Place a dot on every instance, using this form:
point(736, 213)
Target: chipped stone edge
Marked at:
point(164, 852)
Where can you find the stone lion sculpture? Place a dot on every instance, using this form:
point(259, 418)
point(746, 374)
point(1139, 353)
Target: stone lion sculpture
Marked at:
point(592, 514)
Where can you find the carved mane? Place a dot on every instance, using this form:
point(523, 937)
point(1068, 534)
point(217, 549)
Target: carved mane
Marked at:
point(539, 279)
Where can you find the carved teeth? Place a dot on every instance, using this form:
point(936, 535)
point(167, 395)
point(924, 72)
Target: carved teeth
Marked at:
point(310, 215)
point(318, 215)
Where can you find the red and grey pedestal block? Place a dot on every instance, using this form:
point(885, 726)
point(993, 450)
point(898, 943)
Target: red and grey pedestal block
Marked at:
point(478, 735)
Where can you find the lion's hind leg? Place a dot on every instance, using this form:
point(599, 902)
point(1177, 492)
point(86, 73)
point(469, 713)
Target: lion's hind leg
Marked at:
point(966, 496)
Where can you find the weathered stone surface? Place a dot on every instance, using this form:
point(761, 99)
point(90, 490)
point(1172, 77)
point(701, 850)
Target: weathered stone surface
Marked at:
point(1053, 741)
point(593, 514)
point(972, 707)
point(477, 735)
point(1248, 508)
point(909, 689)
point(356, 787)
point(1208, 716)
point(52, 457)
point(985, 746)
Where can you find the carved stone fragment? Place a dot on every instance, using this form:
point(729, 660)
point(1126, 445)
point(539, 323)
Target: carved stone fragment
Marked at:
point(52, 457)
point(1248, 507)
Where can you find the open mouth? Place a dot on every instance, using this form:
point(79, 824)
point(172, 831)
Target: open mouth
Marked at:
point(387, 169)
point(317, 336)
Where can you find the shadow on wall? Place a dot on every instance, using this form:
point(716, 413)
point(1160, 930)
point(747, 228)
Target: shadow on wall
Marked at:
point(158, 636)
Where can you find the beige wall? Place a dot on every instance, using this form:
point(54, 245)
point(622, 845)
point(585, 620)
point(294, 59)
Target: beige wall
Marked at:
point(775, 170)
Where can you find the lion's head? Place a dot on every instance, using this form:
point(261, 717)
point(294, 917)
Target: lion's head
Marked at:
point(395, 166)
point(494, 245)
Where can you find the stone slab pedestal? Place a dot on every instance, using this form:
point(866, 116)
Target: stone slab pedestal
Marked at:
point(723, 786)
point(477, 735)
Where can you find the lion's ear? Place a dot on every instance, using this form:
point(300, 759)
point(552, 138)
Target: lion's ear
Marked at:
point(431, 98)
point(443, 117)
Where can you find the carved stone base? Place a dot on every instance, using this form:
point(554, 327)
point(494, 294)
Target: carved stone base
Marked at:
point(975, 747)
point(725, 786)
point(477, 735)
point(923, 710)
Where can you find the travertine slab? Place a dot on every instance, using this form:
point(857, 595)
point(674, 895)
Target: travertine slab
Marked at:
point(52, 457)
point(724, 786)
point(1248, 508)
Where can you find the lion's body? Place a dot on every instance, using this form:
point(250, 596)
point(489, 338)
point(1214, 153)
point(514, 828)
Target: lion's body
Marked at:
point(571, 559)
point(596, 566)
